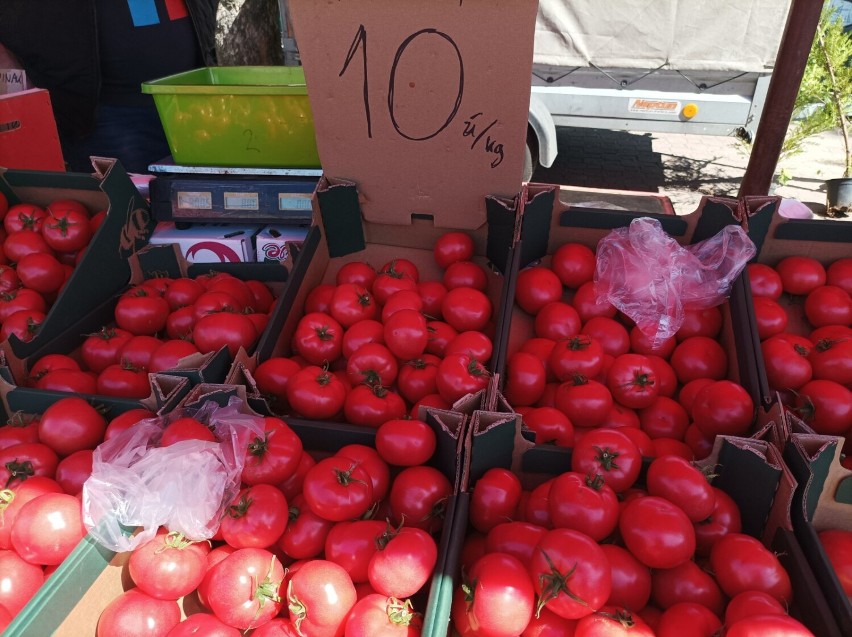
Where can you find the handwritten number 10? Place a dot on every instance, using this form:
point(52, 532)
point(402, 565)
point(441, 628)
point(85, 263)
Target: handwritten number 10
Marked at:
point(360, 43)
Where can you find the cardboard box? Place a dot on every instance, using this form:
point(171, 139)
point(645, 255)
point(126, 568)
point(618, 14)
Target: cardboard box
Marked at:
point(71, 601)
point(104, 270)
point(751, 471)
point(548, 222)
point(28, 136)
point(279, 244)
point(823, 501)
point(777, 237)
point(208, 242)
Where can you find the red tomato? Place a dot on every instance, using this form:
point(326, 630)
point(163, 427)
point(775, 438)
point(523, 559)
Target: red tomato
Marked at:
point(406, 334)
point(243, 589)
point(557, 320)
point(589, 305)
point(356, 272)
point(306, 533)
point(772, 624)
point(418, 497)
point(372, 364)
point(417, 378)
point(657, 532)
point(749, 603)
point(361, 333)
point(69, 380)
point(24, 324)
point(320, 595)
point(699, 357)
point(315, 393)
point(179, 323)
point(319, 299)
point(16, 496)
point(168, 566)
point(826, 406)
point(402, 300)
point(579, 355)
point(770, 316)
point(832, 360)
point(574, 264)
point(641, 343)
point(466, 308)
point(501, 596)
point(8, 279)
point(125, 381)
point(353, 544)
point(140, 312)
point(48, 528)
point(405, 443)
point(452, 247)
point(494, 499)
point(185, 428)
point(609, 453)
point(587, 403)
point(125, 420)
point(255, 518)
point(338, 488)
point(19, 581)
point(71, 424)
point(703, 322)
point(66, 230)
point(214, 331)
point(525, 379)
point(741, 563)
point(688, 618)
point(18, 429)
point(786, 362)
point(404, 562)
point(764, 280)
point(73, 471)
point(679, 482)
point(465, 274)
point(273, 458)
point(724, 519)
point(839, 273)
point(441, 334)
point(612, 335)
point(432, 295)
point(800, 275)
point(21, 299)
point(372, 405)
point(723, 408)
point(837, 544)
point(137, 351)
point(169, 354)
point(515, 538)
point(632, 381)
point(550, 426)
point(375, 615)
point(536, 287)
point(825, 305)
point(631, 580)
point(351, 303)
point(570, 573)
point(24, 216)
point(41, 272)
point(134, 614)
point(102, 349)
point(459, 375)
point(18, 245)
point(22, 461)
point(687, 582)
point(207, 625)
point(583, 503)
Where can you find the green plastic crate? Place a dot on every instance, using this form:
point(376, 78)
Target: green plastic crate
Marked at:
point(237, 116)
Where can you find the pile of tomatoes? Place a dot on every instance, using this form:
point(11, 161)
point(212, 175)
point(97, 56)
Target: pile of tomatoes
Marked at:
point(586, 366)
point(40, 247)
point(584, 555)
point(808, 362)
point(313, 544)
point(44, 461)
point(158, 323)
point(378, 343)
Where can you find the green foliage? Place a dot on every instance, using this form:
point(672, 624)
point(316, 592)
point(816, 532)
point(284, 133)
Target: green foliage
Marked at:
point(824, 101)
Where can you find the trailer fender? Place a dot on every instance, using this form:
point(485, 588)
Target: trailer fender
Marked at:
point(544, 131)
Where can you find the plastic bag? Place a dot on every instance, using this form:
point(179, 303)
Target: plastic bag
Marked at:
point(184, 487)
point(650, 277)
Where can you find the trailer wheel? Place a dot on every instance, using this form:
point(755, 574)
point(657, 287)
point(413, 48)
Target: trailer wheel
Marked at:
point(530, 156)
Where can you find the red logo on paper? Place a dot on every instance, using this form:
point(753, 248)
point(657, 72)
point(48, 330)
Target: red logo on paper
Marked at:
point(274, 251)
point(224, 253)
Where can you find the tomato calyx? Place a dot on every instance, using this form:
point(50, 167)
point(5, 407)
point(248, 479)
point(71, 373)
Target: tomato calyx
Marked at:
point(825, 344)
point(801, 350)
point(643, 379)
point(267, 590)
point(475, 368)
point(240, 509)
point(259, 446)
point(579, 343)
point(607, 458)
point(19, 471)
point(60, 223)
point(622, 616)
point(373, 380)
point(105, 333)
point(595, 482)
point(419, 363)
point(388, 534)
point(392, 272)
point(293, 513)
point(324, 333)
point(579, 379)
point(20, 419)
point(401, 613)
point(344, 476)
point(554, 583)
point(174, 540)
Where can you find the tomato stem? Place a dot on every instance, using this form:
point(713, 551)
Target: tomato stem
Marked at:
point(6, 498)
point(554, 583)
point(19, 471)
point(607, 458)
point(240, 509)
point(175, 540)
point(401, 613)
point(622, 616)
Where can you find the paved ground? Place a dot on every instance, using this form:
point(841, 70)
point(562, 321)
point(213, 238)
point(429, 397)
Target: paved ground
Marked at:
point(682, 167)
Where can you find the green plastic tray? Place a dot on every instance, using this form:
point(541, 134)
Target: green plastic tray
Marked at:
point(237, 116)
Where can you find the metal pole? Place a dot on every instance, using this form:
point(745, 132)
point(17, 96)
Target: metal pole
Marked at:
point(783, 88)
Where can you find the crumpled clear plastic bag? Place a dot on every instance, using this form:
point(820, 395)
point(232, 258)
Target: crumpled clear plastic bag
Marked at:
point(184, 487)
point(650, 277)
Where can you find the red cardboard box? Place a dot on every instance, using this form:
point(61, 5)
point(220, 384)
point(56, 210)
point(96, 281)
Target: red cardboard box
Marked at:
point(28, 137)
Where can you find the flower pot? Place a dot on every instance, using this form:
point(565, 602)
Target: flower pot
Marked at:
point(838, 196)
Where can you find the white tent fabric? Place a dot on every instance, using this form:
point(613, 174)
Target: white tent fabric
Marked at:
point(716, 35)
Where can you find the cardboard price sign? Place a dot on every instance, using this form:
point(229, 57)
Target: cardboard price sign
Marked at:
point(423, 104)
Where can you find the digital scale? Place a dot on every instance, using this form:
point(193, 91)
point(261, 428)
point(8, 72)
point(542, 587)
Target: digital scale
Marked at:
point(225, 194)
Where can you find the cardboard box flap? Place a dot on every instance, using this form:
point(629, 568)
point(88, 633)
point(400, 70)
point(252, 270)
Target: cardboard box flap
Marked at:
point(828, 499)
point(423, 104)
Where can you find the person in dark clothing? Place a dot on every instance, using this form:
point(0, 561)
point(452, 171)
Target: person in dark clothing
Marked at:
point(93, 55)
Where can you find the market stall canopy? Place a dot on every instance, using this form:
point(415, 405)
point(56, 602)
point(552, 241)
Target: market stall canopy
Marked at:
point(724, 35)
